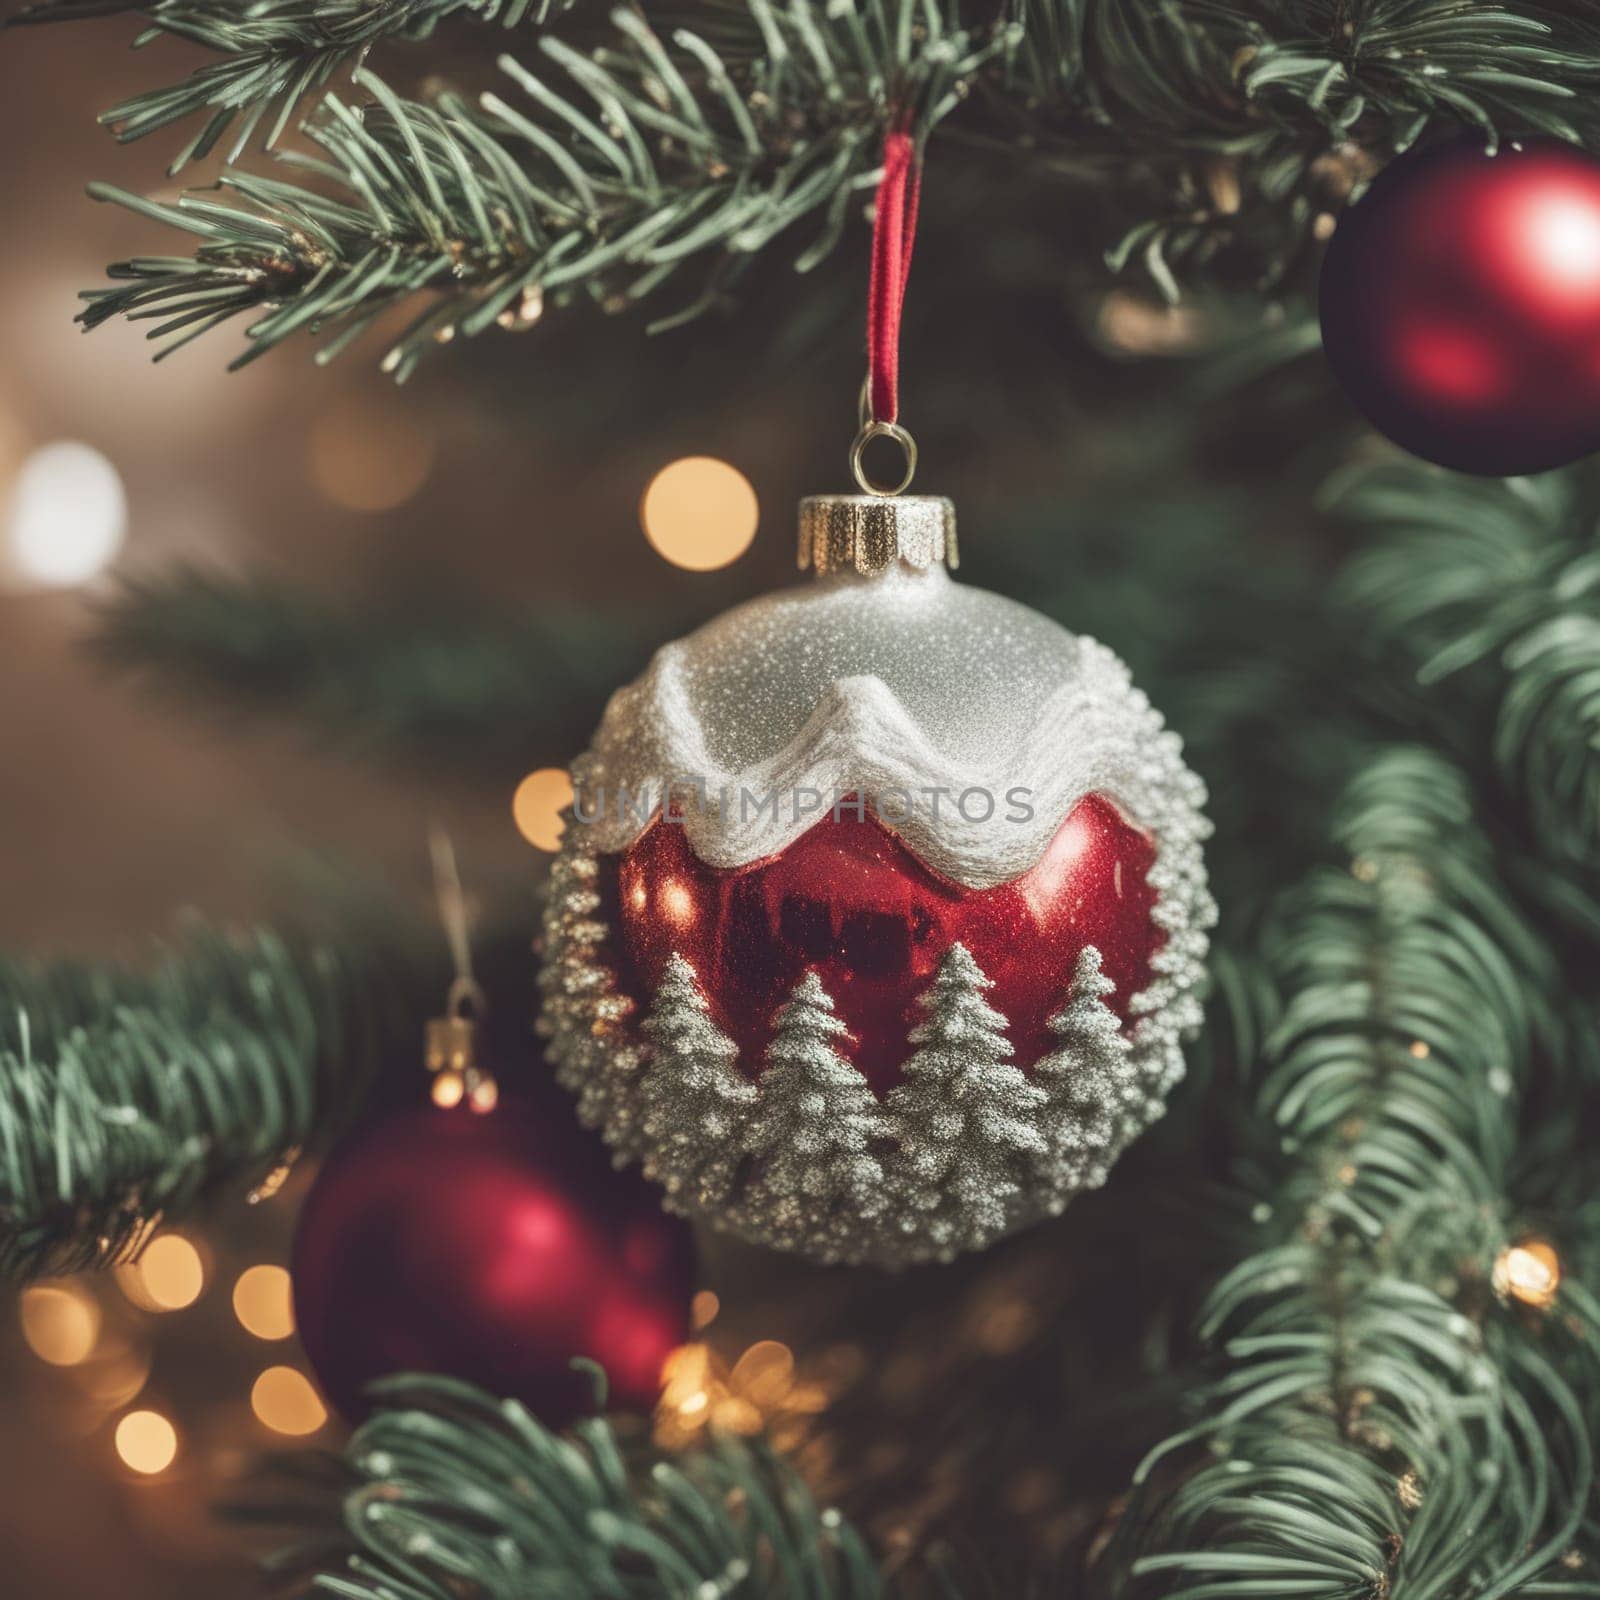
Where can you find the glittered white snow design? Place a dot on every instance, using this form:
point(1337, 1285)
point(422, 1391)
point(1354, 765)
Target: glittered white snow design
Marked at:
point(902, 681)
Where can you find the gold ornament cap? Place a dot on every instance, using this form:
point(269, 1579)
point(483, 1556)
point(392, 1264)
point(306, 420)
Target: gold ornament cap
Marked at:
point(871, 532)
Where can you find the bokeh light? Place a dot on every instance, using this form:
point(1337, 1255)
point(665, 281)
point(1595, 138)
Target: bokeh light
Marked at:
point(169, 1275)
point(263, 1301)
point(147, 1442)
point(284, 1400)
point(1529, 1272)
point(540, 799)
point(369, 455)
point(68, 515)
point(700, 513)
point(61, 1323)
point(116, 1373)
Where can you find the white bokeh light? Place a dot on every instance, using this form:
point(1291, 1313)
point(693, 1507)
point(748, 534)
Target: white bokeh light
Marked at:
point(67, 516)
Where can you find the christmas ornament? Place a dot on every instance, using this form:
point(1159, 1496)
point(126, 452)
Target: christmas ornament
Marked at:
point(486, 1239)
point(494, 1248)
point(879, 915)
point(851, 876)
point(1460, 305)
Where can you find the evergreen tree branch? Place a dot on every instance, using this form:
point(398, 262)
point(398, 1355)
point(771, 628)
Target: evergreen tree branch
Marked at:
point(274, 55)
point(1219, 133)
point(126, 1097)
point(497, 695)
point(1486, 597)
point(456, 1492)
point(1380, 1396)
point(653, 157)
point(1238, 122)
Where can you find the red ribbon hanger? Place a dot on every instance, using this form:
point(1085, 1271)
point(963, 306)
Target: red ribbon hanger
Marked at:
point(894, 228)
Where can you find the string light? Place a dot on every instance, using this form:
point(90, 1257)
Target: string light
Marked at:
point(284, 1401)
point(60, 1323)
point(540, 799)
point(169, 1275)
point(369, 456)
point(1529, 1272)
point(263, 1301)
point(116, 1374)
point(68, 515)
point(699, 513)
point(449, 1088)
point(147, 1442)
point(1145, 327)
point(762, 1390)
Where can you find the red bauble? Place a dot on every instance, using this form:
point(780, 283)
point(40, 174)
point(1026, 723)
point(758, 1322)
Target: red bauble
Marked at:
point(491, 1248)
point(1460, 306)
point(849, 900)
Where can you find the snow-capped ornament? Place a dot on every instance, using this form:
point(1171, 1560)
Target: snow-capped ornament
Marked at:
point(879, 916)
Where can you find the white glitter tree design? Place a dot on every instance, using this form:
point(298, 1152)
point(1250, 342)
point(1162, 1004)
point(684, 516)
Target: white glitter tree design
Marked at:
point(1087, 1078)
point(967, 1117)
point(817, 1116)
point(694, 1102)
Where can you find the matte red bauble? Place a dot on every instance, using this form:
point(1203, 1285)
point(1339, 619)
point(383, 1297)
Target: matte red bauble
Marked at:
point(492, 1248)
point(877, 925)
point(1460, 306)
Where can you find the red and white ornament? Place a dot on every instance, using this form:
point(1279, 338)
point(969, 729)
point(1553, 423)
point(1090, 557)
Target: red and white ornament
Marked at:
point(1460, 305)
point(851, 877)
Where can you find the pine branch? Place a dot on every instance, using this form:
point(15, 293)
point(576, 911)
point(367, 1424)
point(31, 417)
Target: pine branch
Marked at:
point(1238, 122)
point(457, 1493)
point(496, 695)
point(1486, 597)
point(1216, 134)
point(126, 1097)
point(275, 55)
point(1379, 1396)
point(654, 157)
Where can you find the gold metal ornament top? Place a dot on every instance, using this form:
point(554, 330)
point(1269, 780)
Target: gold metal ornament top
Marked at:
point(871, 532)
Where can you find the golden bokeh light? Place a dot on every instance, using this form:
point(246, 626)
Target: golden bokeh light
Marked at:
point(540, 799)
point(168, 1276)
point(448, 1088)
point(61, 1324)
point(147, 1442)
point(263, 1301)
point(1529, 1272)
point(764, 1374)
point(116, 1374)
point(700, 513)
point(762, 1389)
point(369, 455)
point(284, 1401)
point(485, 1096)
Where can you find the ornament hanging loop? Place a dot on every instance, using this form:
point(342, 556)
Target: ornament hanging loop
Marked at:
point(466, 1002)
point(858, 465)
point(450, 1042)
